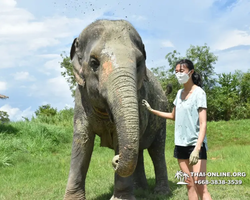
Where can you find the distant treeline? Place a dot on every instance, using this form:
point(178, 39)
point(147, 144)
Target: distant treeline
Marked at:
point(228, 94)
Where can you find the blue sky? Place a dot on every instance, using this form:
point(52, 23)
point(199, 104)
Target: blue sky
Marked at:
point(33, 34)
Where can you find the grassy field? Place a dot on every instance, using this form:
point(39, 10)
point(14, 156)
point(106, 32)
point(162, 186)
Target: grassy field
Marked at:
point(35, 158)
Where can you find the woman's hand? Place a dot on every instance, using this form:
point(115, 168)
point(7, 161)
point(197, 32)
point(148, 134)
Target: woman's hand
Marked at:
point(194, 157)
point(145, 103)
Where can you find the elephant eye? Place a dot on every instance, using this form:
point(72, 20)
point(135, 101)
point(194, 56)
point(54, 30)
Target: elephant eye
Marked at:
point(94, 63)
point(79, 59)
point(139, 64)
point(140, 61)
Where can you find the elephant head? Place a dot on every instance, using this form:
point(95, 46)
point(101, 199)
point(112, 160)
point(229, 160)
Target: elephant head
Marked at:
point(109, 63)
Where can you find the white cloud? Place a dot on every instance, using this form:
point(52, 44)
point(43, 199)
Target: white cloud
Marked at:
point(7, 3)
point(231, 39)
point(23, 76)
point(54, 90)
point(48, 56)
point(43, 42)
point(33, 87)
point(51, 66)
point(58, 87)
point(23, 35)
point(237, 15)
point(202, 4)
point(68, 106)
point(139, 17)
point(15, 114)
point(167, 43)
point(232, 60)
point(3, 86)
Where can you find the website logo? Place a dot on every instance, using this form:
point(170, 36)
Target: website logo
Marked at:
point(181, 176)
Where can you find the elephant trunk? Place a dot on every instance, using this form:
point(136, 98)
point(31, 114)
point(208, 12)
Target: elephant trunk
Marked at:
point(124, 107)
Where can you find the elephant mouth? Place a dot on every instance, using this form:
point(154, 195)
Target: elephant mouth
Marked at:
point(103, 113)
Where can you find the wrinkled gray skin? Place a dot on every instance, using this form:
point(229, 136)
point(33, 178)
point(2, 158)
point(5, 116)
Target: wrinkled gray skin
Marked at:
point(109, 66)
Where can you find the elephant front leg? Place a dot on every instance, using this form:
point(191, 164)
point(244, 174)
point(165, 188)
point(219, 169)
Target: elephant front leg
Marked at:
point(81, 154)
point(123, 188)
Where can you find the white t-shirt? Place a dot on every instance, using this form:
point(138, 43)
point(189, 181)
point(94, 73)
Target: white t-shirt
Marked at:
point(187, 123)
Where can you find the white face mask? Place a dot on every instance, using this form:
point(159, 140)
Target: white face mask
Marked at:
point(182, 77)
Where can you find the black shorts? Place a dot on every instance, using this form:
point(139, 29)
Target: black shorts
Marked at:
point(181, 152)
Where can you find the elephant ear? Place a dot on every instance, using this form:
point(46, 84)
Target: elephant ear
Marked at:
point(143, 51)
point(145, 56)
point(77, 68)
point(142, 73)
point(145, 76)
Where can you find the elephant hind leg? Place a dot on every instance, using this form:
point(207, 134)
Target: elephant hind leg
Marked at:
point(140, 180)
point(157, 154)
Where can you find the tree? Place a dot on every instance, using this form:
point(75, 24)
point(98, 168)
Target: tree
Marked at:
point(46, 110)
point(223, 97)
point(68, 73)
point(244, 86)
point(203, 61)
point(229, 99)
point(166, 78)
point(4, 117)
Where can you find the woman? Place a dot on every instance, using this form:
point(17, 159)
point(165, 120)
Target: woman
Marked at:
point(190, 117)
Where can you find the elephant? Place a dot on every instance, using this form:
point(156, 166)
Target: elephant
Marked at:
point(108, 59)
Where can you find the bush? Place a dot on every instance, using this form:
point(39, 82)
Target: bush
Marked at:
point(23, 140)
point(62, 118)
point(46, 110)
point(229, 98)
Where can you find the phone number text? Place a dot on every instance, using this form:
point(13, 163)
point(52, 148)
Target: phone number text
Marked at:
point(218, 182)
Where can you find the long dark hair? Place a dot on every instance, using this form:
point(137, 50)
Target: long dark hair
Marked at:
point(195, 76)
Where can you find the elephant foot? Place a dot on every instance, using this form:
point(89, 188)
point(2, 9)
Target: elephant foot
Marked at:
point(74, 194)
point(141, 185)
point(123, 197)
point(70, 195)
point(162, 190)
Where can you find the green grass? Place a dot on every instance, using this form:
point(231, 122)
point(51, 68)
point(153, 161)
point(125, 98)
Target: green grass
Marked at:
point(35, 158)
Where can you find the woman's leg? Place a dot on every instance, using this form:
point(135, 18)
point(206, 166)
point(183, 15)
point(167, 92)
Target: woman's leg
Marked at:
point(192, 191)
point(202, 190)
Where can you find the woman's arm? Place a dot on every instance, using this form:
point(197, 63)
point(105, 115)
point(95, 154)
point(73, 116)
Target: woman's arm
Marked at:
point(164, 114)
point(193, 159)
point(203, 127)
point(159, 113)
